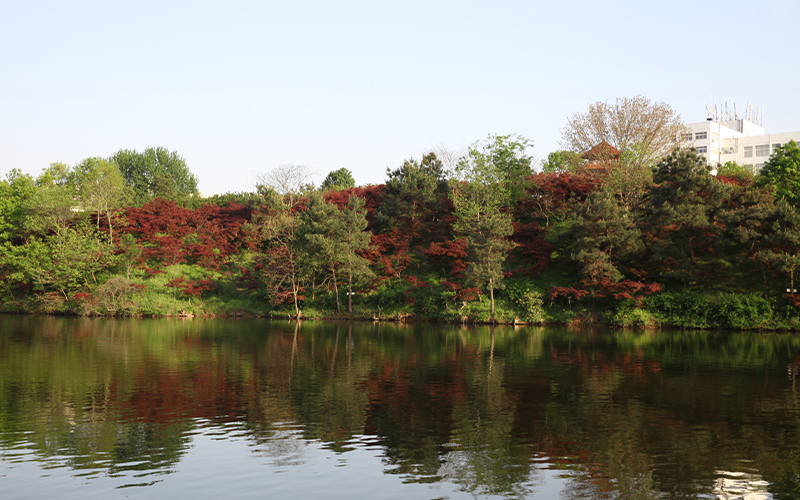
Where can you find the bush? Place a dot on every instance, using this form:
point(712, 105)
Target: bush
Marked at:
point(742, 311)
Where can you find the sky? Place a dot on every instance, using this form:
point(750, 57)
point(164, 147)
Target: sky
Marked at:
point(240, 87)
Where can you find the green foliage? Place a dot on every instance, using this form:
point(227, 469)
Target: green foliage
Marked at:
point(562, 161)
point(782, 170)
point(529, 300)
point(338, 180)
point(734, 170)
point(603, 233)
point(15, 191)
point(413, 193)
point(737, 311)
point(687, 206)
point(156, 173)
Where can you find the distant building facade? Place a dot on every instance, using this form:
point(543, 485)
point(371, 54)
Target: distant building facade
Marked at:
point(740, 141)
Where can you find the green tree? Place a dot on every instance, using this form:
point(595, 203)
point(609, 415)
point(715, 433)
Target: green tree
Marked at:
point(782, 170)
point(282, 267)
point(323, 230)
point(604, 234)
point(413, 194)
point(338, 180)
point(355, 239)
point(100, 188)
point(562, 161)
point(783, 243)
point(15, 190)
point(631, 177)
point(156, 173)
point(687, 202)
point(490, 178)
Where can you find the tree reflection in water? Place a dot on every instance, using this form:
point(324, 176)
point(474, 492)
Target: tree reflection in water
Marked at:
point(494, 411)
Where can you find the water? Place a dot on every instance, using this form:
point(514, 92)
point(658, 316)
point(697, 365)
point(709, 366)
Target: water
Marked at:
point(167, 408)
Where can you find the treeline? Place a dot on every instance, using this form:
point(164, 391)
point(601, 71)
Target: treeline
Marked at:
point(615, 237)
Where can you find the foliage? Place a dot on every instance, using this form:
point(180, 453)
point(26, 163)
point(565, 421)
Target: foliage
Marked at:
point(156, 173)
point(338, 180)
point(628, 121)
point(562, 161)
point(291, 181)
point(100, 188)
point(782, 170)
point(413, 196)
point(687, 205)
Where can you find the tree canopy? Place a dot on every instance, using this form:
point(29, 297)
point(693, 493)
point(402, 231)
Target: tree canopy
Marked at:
point(338, 180)
point(782, 170)
point(156, 173)
point(629, 120)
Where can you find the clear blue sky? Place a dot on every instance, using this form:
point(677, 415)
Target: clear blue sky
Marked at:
point(239, 87)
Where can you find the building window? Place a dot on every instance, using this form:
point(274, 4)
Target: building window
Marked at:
point(700, 135)
point(702, 149)
point(762, 150)
point(759, 166)
point(748, 151)
point(687, 137)
point(775, 147)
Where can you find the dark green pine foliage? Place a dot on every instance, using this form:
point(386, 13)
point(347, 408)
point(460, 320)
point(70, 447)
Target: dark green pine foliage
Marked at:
point(747, 221)
point(782, 170)
point(323, 231)
point(685, 222)
point(605, 238)
point(413, 196)
point(355, 238)
point(783, 242)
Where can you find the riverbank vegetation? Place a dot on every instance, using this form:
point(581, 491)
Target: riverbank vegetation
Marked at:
point(615, 236)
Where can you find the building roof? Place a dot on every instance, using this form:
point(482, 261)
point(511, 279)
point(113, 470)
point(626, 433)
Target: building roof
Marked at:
point(602, 152)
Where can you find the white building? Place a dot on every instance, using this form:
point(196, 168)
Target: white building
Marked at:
point(740, 141)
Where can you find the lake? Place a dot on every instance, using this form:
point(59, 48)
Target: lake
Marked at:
point(170, 408)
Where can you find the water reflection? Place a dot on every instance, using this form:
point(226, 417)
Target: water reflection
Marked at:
point(415, 411)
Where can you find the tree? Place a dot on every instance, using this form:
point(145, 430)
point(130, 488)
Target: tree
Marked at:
point(15, 190)
point(637, 120)
point(489, 182)
point(630, 178)
point(338, 180)
point(507, 162)
point(782, 170)
point(323, 230)
point(603, 233)
point(156, 173)
point(281, 256)
point(100, 188)
point(355, 239)
point(687, 204)
point(562, 161)
point(413, 193)
point(290, 180)
point(783, 242)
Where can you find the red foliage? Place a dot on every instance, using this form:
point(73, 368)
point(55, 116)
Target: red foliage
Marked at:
point(451, 252)
point(568, 292)
point(533, 250)
point(173, 234)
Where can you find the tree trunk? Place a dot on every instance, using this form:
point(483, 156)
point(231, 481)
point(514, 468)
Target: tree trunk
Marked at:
point(110, 229)
point(350, 294)
point(763, 278)
point(491, 298)
point(336, 290)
